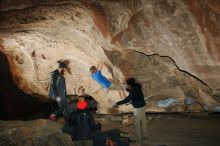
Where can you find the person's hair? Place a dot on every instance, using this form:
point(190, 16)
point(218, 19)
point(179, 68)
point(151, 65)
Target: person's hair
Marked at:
point(81, 98)
point(131, 81)
point(72, 97)
point(93, 68)
point(62, 71)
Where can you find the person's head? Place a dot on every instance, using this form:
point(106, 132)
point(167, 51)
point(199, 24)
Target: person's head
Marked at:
point(81, 104)
point(72, 97)
point(81, 98)
point(131, 82)
point(63, 66)
point(93, 69)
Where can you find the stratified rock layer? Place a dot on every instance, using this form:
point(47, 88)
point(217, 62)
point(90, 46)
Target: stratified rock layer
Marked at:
point(170, 47)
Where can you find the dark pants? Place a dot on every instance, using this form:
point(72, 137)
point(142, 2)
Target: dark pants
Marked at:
point(64, 106)
point(83, 143)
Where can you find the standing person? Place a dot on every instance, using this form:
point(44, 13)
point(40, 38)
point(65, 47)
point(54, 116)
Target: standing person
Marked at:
point(96, 74)
point(136, 97)
point(57, 88)
point(83, 124)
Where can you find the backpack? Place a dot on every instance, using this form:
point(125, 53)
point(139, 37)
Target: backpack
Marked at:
point(109, 138)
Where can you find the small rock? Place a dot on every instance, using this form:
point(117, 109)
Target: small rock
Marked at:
point(149, 118)
point(124, 121)
point(125, 117)
point(116, 118)
point(158, 117)
point(101, 119)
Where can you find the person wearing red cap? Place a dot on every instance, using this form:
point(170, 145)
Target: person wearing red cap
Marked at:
point(83, 124)
point(81, 104)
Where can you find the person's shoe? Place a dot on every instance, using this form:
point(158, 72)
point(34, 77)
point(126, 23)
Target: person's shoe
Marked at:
point(52, 117)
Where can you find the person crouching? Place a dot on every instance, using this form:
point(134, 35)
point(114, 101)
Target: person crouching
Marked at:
point(83, 124)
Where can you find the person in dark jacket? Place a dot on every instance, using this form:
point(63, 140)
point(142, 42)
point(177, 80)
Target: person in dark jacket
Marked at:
point(83, 125)
point(57, 89)
point(136, 97)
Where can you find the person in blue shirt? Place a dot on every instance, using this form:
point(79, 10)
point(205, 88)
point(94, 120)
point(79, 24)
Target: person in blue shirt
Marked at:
point(106, 84)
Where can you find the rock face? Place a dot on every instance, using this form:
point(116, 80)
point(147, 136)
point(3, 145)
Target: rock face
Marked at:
point(169, 46)
point(35, 133)
point(14, 103)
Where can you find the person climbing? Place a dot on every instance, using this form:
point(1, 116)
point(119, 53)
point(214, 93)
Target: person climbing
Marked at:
point(136, 97)
point(57, 87)
point(106, 84)
point(83, 124)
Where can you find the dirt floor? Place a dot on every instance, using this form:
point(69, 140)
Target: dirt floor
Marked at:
point(171, 129)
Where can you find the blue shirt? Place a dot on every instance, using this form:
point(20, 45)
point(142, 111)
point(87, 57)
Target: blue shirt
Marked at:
point(97, 76)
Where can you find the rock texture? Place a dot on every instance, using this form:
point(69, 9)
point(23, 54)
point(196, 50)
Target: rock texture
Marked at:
point(33, 133)
point(14, 103)
point(170, 47)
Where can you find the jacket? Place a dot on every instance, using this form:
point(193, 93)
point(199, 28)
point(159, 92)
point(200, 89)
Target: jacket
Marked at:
point(136, 97)
point(57, 85)
point(83, 125)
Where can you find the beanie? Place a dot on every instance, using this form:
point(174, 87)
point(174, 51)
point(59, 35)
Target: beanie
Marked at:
point(81, 105)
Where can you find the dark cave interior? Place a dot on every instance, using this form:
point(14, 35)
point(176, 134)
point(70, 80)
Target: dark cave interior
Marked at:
point(14, 103)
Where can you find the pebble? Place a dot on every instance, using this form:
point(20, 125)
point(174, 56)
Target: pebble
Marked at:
point(124, 121)
point(149, 118)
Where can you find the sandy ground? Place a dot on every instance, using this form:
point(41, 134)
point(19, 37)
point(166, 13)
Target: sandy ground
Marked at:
point(172, 129)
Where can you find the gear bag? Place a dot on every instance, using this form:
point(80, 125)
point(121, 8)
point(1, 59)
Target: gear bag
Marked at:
point(109, 138)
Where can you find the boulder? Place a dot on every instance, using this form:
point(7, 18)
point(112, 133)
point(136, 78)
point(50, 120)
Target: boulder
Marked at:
point(37, 132)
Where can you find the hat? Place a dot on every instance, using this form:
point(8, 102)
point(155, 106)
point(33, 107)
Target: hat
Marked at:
point(81, 105)
point(63, 63)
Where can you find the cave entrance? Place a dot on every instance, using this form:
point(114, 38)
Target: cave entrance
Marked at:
point(14, 103)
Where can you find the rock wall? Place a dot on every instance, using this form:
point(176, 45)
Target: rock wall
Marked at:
point(170, 47)
point(39, 132)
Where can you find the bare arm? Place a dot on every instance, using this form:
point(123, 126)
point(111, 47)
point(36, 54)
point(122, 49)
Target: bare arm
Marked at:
point(100, 65)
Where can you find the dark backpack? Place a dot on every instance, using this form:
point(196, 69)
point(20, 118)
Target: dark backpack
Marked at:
point(109, 138)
